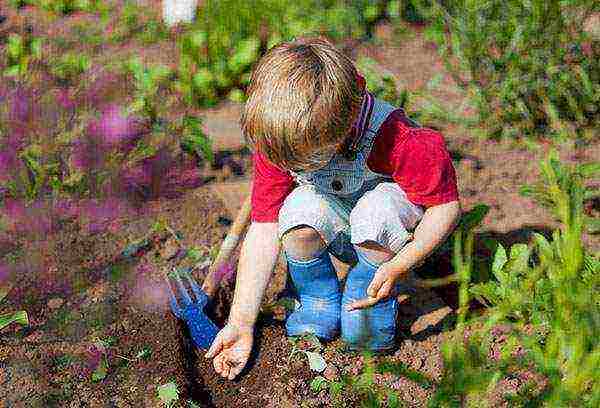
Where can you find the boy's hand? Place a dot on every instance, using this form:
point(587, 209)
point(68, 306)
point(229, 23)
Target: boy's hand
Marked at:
point(231, 350)
point(380, 288)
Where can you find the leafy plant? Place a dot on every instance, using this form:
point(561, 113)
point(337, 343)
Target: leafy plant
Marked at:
point(310, 345)
point(99, 360)
point(528, 67)
point(6, 319)
point(363, 386)
point(20, 3)
point(550, 287)
point(21, 51)
point(194, 140)
point(558, 190)
point(381, 83)
point(168, 394)
point(147, 82)
point(69, 6)
point(138, 22)
point(227, 38)
point(70, 66)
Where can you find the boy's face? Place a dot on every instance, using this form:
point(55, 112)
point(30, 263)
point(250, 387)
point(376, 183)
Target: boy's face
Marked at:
point(320, 158)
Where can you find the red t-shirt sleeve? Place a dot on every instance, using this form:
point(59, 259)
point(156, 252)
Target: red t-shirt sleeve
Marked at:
point(270, 187)
point(417, 159)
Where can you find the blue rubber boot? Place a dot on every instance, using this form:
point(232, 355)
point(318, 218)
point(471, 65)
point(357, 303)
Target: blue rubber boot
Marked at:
point(372, 328)
point(318, 291)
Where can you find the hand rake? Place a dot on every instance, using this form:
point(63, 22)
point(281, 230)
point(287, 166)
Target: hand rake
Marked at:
point(191, 305)
point(190, 308)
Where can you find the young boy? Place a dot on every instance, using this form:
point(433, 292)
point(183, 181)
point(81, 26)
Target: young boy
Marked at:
point(335, 171)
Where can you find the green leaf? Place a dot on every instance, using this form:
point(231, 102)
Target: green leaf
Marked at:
point(589, 169)
point(18, 317)
point(4, 292)
point(100, 372)
point(318, 383)
point(15, 46)
point(474, 217)
point(144, 353)
point(500, 260)
point(592, 225)
point(315, 361)
point(236, 95)
point(195, 140)
point(203, 79)
point(519, 257)
point(36, 48)
point(12, 71)
point(168, 393)
point(336, 387)
point(393, 400)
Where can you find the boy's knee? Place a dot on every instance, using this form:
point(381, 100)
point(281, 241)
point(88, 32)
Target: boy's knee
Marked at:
point(384, 216)
point(302, 243)
point(306, 207)
point(374, 208)
point(303, 204)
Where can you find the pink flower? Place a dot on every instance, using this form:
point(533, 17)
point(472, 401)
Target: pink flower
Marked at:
point(64, 99)
point(22, 105)
point(36, 218)
point(4, 274)
point(115, 129)
point(100, 214)
point(8, 163)
point(87, 153)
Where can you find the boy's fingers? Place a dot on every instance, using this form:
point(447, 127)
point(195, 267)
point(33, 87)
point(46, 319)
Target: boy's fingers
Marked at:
point(215, 347)
point(218, 363)
point(384, 290)
point(362, 303)
point(375, 284)
point(234, 371)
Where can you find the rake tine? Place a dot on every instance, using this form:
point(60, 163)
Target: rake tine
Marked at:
point(173, 300)
point(187, 300)
point(198, 293)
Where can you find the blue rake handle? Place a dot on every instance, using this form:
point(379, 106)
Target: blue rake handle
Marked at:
point(202, 329)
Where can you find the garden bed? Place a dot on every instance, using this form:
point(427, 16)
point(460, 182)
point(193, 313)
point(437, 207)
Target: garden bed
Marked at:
point(101, 333)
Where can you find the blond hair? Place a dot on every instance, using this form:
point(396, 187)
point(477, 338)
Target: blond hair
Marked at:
point(302, 100)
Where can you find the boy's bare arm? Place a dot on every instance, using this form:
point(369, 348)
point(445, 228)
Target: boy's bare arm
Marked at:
point(232, 346)
point(257, 260)
point(435, 227)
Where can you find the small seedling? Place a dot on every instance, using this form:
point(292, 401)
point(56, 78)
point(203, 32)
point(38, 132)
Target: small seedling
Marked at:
point(316, 361)
point(144, 353)
point(19, 317)
point(21, 51)
point(319, 383)
point(168, 394)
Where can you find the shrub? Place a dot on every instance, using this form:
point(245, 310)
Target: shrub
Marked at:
point(529, 67)
point(20, 52)
point(227, 38)
point(546, 294)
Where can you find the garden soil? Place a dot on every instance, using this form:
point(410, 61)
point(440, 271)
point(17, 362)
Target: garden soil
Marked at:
point(90, 307)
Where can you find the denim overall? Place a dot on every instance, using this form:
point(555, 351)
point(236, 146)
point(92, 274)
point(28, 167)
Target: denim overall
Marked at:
point(322, 304)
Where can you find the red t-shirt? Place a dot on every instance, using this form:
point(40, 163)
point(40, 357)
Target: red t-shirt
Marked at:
point(415, 158)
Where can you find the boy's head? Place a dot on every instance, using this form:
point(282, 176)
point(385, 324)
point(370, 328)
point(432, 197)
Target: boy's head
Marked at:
point(303, 98)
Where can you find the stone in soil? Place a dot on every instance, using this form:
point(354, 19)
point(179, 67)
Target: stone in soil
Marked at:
point(55, 303)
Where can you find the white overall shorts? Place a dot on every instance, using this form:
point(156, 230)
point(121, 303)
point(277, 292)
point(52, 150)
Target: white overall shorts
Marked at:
point(346, 202)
